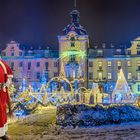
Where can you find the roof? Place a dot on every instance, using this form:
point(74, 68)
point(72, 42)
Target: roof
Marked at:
point(75, 25)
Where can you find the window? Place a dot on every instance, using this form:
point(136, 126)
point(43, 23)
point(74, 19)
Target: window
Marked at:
point(55, 74)
point(4, 53)
point(128, 63)
point(29, 65)
point(29, 75)
point(129, 52)
point(72, 38)
point(38, 75)
point(100, 75)
point(109, 63)
point(100, 63)
point(129, 76)
point(118, 51)
point(109, 76)
point(90, 64)
point(138, 63)
point(138, 52)
point(12, 65)
point(20, 53)
point(20, 64)
point(100, 52)
point(46, 65)
point(119, 63)
point(90, 75)
point(72, 44)
point(139, 88)
point(72, 58)
point(47, 75)
point(38, 64)
point(55, 64)
point(12, 53)
point(138, 76)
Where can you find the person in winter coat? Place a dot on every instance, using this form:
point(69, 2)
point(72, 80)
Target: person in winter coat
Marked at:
point(4, 103)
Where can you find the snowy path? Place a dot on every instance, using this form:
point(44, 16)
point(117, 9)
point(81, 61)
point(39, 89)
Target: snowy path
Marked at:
point(114, 132)
point(42, 127)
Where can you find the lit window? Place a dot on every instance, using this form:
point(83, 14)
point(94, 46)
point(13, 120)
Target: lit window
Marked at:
point(128, 63)
point(119, 63)
point(129, 75)
point(138, 76)
point(100, 75)
point(100, 52)
point(100, 63)
point(138, 63)
point(118, 51)
point(109, 76)
point(109, 63)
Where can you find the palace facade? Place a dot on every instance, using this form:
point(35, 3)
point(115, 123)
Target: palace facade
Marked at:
point(76, 59)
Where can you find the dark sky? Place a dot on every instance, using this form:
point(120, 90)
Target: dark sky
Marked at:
point(38, 22)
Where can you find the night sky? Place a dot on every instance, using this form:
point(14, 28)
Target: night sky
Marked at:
point(38, 22)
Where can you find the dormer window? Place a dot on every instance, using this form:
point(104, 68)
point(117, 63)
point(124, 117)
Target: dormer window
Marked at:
point(118, 51)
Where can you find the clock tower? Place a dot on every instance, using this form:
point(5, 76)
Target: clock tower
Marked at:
point(73, 46)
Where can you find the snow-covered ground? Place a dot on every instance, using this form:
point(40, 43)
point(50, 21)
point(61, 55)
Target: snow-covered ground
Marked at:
point(129, 131)
point(42, 127)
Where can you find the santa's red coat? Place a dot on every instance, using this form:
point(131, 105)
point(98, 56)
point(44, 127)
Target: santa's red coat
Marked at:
point(4, 99)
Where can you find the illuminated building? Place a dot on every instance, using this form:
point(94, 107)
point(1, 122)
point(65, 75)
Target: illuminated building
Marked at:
point(76, 60)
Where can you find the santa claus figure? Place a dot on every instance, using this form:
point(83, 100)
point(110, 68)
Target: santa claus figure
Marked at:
point(5, 78)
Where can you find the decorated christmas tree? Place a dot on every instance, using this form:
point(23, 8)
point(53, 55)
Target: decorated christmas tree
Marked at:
point(122, 92)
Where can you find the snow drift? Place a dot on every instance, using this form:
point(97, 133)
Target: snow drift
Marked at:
point(84, 115)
